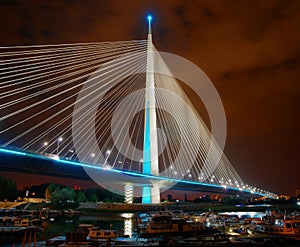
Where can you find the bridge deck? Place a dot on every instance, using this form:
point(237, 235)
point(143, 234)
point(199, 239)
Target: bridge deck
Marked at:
point(21, 162)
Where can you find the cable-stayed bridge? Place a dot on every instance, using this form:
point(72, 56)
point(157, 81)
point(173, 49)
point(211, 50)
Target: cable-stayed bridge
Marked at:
point(117, 110)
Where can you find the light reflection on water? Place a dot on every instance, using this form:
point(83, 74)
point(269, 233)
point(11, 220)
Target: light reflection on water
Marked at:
point(121, 222)
point(128, 223)
point(243, 215)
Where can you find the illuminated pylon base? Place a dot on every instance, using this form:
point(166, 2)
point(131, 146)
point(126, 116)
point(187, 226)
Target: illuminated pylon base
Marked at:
point(128, 193)
point(151, 194)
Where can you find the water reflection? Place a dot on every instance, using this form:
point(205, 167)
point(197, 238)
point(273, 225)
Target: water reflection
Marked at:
point(123, 223)
point(243, 215)
point(128, 223)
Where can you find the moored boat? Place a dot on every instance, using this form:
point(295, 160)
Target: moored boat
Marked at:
point(285, 227)
point(11, 233)
point(95, 233)
point(163, 225)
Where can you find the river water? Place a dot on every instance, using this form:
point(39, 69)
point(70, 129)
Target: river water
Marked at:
point(123, 223)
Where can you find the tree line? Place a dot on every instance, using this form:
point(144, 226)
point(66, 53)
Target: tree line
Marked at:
point(57, 195)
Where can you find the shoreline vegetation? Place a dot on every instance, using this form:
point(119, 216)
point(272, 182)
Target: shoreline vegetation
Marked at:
point(94, 208)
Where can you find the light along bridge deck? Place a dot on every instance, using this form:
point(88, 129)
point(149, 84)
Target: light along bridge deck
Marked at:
point(12, 160)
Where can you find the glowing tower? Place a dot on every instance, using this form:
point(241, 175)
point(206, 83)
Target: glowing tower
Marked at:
point(151, 194)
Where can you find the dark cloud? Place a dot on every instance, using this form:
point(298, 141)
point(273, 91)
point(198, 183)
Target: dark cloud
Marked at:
point(249, 49)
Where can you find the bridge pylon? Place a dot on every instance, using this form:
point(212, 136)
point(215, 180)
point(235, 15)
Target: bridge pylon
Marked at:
point(150, 194)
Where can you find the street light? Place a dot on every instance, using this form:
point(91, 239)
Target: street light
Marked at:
point(93, 155)
point(59, 140)
point(106, 158)
point(45, 144)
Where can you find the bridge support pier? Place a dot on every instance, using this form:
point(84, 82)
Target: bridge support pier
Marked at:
point(155, 194)
point(128, 193)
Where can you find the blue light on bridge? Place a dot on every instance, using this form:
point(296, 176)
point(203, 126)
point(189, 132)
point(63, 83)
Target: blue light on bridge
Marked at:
point(149, 17)
point(129, 173)
point(147, 142)
point(12, 151)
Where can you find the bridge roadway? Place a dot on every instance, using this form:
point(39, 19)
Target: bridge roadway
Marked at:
point(12, 160)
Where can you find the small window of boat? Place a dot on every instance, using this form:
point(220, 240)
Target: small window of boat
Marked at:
point(107, 234)
point(288, 225)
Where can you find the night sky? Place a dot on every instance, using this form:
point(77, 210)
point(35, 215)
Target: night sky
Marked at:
point(249, 49)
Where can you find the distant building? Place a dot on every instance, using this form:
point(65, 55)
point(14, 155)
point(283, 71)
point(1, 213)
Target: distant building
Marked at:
point(284, 197)
point(216, 197)
point(262, 198)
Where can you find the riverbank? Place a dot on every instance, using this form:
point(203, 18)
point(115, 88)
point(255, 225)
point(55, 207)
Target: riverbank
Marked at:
point(91, 207)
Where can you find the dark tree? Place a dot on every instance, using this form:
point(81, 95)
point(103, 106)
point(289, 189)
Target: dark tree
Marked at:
point(8, 189)
point(81, 197)
point(170, 198)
